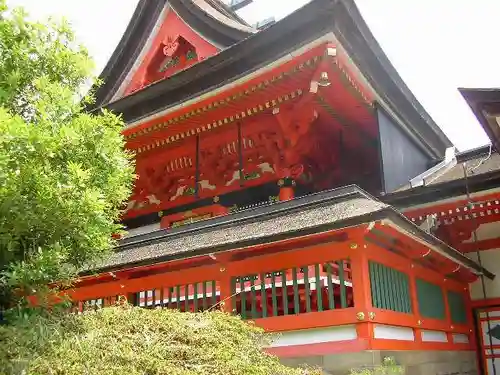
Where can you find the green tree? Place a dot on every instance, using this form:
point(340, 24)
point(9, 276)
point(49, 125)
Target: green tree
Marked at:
point(64, 174)
point(136, 341)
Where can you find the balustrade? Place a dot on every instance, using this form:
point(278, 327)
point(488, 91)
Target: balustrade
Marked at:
point(334, 284)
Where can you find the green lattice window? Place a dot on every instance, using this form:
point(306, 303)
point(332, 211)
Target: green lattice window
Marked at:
point(458, 310)
point(390, 288)
point(430, 300)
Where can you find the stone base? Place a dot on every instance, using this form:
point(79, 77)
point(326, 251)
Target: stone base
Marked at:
point(414, 362)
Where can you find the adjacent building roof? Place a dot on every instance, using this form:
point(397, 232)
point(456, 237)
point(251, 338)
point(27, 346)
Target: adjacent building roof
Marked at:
point(485, 103)
point(473, 162)
point(316, 213)
point(475, 170)
point(340, 18)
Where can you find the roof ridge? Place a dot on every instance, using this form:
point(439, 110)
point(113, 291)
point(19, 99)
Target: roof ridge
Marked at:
point(227, 11)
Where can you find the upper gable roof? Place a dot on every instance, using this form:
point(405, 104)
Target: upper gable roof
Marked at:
point(338, 19)
point(206, 23)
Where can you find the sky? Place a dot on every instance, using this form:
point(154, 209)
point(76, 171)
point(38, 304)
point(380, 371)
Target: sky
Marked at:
point(435, 45)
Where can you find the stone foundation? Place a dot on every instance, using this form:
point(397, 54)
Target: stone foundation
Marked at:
point(414, 362)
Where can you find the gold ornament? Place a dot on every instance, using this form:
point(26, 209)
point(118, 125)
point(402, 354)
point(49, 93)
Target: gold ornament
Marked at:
point(323, 80)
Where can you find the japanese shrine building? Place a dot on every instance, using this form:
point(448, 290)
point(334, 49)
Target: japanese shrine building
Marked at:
point(289, 176)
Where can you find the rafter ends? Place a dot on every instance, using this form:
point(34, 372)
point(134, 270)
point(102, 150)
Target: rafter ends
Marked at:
point(313, 88)
point(330, 51)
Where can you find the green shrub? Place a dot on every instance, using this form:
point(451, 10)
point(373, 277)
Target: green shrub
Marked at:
point(126, 340)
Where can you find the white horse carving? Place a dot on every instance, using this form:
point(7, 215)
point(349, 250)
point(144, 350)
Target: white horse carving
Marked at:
point(236, 177)
point(266, 168)
point(180, 191)
point(130, 206)
point(205, 184)
point(153, 200)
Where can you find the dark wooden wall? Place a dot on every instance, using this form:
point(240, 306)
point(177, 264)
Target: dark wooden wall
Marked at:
point(401, 158)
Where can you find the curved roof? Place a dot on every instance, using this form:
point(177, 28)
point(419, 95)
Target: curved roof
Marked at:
point(212, 19)
point(316, 19)
point(331, 210)
point(223, 14)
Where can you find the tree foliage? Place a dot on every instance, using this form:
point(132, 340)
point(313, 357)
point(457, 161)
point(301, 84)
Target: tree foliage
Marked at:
point(64, 173)
point(33, 54)
point(131, 340)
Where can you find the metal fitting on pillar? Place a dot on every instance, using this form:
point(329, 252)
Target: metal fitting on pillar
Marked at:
point(287, 186)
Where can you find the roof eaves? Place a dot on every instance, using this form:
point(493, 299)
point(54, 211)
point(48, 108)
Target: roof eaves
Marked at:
point(140, 25)
point(414, 231)
point(143, 19)
point(374, 211)
point(351, 222)
point(315, 19)
point(401, 101)
point(236, 61)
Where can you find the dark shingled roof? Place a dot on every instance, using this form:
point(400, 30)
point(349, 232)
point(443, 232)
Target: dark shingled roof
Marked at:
point(255, 225)
point(316, 213)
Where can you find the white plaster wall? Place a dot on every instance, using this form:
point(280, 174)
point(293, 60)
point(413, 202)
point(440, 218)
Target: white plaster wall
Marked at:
point(382, 331)
point(315, 336)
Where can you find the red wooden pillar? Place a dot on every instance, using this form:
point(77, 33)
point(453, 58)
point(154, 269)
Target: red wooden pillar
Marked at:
point(414, 304)
point(287, 189)
point(362, 291)
point(132, 299)
point(470, 317)
point(225, 288)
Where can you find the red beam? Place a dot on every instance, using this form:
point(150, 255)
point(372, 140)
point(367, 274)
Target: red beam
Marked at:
point(443, 210)
point(469, 247)
point(318, 51)
point(302, 321)
point(414, 250)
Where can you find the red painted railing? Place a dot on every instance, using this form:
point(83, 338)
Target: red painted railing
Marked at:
point(314, 287)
